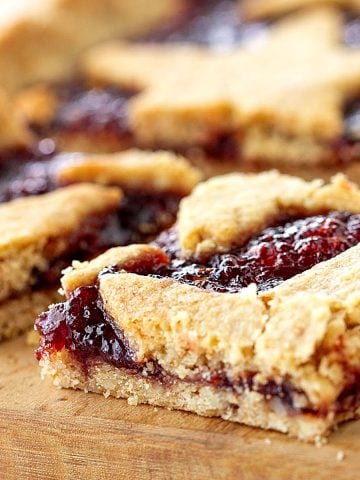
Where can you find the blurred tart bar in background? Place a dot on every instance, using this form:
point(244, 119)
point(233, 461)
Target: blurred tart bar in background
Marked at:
point(41, 39)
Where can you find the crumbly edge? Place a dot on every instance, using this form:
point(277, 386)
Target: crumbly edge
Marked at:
point(19, 313)
point(249, 408)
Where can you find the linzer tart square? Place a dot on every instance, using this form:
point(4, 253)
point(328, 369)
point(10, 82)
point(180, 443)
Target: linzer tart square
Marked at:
point(233, 109)
point(247, 310)
point(41, 236)
point(280, 112)
point(153, 183)
point(41, 39)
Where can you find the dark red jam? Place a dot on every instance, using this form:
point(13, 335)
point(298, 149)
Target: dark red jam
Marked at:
point(94, 235)
point(83, 327)
point(92, 111)
point(277, 254)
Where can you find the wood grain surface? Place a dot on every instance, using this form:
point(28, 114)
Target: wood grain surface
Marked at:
point(47, 433)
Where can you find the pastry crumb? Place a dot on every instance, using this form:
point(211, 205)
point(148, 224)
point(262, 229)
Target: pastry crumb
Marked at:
point(133, 400)
point(267, 441)
point(340, 456)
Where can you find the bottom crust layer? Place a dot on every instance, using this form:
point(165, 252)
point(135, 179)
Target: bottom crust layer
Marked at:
point(249, 408)
point(18, 314)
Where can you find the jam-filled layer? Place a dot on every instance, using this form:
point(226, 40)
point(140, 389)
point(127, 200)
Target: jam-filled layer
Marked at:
point(94, 235)
point(82, 327)
point(273, 256)
point(141, 216)
point(93, 111)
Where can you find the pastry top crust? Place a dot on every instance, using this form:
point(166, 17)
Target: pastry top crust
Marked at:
point(206, 93)
point(134, 169)
point(126, 258)
point(261, 9)
point(36, 230)
point(69, 27)
point(14, 133)
point(308, 333)
point(244, 204)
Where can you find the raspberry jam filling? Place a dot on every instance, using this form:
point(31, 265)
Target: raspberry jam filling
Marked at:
point(268, 259)
point(93, 237)
point(96, 111)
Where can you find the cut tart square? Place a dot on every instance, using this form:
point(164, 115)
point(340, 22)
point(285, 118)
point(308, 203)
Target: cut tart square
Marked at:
point(153, 183)
point(300, 117)
point(69, 26)
point(42, 235)
point(248, 310)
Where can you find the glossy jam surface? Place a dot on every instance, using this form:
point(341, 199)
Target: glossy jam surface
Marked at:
point(82, 326)
point(268, 259)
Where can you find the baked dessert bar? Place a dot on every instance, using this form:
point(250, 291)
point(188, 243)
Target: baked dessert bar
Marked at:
point(247, 310)
point(41, 235)
point(263, 9)
point(205, 106)
point(153, 184)
point(273, 115)
point(40, 40)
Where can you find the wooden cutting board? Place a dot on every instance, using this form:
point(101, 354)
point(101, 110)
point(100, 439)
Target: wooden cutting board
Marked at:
point(47, 433)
